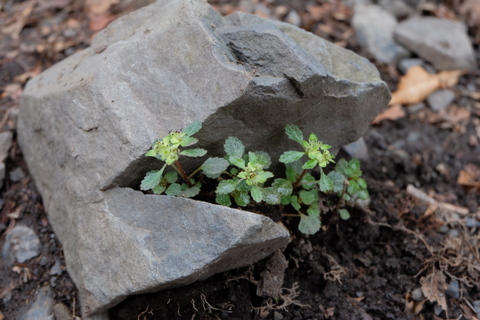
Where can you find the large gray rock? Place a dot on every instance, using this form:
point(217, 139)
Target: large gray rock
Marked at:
point(374, 28)
point(442, 42)
point(86, 123)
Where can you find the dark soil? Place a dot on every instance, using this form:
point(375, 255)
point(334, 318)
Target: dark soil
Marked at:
point(365, 268)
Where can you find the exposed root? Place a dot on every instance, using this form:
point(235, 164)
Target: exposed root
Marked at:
point(208, 307)
point(287, 298)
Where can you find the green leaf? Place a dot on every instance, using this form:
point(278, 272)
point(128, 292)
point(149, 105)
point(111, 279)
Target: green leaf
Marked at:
point(291, 156)
point(294, 203)
point(213, 167)
point(294, 133)
point(256, 193)
point(223, 199)
point(363, 194)
point(354, 164)
point(237, 161)
point(234, 171)
point(338, 180)
point(192, 128)
point(190, 192)
point(151, 153)
point(263, 159)
point(326, 184)
point(282, 186)
point(173, 190)
point(344, 214)
point(313, 212)
point(291, 174)
point(243, 186)
point(362, 183)
point(346, 197)
point(152, 179)
point(309, 224)
point(310, 164)
point(270, 196)
point(308, 197)
point(171, 177)
point(241, 198)
point(159, 189)
point(234, 147)
point(307, 181)
point(285, 201)
point(194, 152)
point(226, 186)
point(188, 141)
point(342, 164)
point(353, 187)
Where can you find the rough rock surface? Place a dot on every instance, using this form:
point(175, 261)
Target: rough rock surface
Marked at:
point(374, 28)
point(442, 42)
point(86, 123)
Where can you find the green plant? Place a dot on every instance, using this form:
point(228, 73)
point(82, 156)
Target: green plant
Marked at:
point(169, 151)
point(248, 177)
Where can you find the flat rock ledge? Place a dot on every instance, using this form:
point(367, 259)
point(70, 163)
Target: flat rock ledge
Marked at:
point(86, 123)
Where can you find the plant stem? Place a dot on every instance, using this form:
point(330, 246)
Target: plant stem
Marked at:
point(299, 180)
point(182, 173)
point(291, 215)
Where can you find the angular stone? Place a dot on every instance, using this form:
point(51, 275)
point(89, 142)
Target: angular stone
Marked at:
point(86, 123)
point(440, 99)
point(444, 43)
point(374, 28)
point(40, 308)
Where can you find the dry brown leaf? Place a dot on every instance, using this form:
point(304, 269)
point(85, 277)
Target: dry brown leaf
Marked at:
point(470, 176)
point(393, 112)
point(434, 286)
point(19, 19)
point(418, 84)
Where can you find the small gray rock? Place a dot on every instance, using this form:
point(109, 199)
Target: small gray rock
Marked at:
point(440, 99)
point(62, 312)
point(21, 244)
point(417, 294)
point(397, 8)
point(294, 18)
point(357, 149)
point(17, 174)
point(453, 290)
point(41, 308)
point(56, 269)
point(374, 28)
point(444, 43)
point(405, 64)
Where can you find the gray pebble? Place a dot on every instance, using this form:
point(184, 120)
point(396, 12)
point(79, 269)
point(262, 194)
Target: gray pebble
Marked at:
point(405, 64)
point(417, 294)
point(293, 18)
point(440, 99)
point(357, 149)
point(277, 315)
point(453, 290)
point(17, 175)
point(21, 244)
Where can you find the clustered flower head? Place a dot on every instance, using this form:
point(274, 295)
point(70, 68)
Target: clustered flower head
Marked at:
point(318, 151)
point(253, 173)
point(167, 149)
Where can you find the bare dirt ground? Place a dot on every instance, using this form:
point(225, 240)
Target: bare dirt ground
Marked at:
point(423, 171)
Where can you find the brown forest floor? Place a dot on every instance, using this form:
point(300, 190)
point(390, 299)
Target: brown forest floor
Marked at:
point(363, 268)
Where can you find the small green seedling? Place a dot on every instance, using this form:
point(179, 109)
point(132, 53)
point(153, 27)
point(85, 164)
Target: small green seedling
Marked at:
point(169, 151)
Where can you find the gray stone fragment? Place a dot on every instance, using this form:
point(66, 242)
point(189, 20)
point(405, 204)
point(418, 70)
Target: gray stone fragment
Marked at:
point(56, 269)
point(397, 8)
point(405, 64)
point(86, 123)
point(21, 244)
point(374, 28)
point(453, 289)
point(5, 144)
point(444, 43)
point(17, 174)
point(61, 312)
point(41, 308)
point(357, 149)
point(440, 99)
point(294, 18)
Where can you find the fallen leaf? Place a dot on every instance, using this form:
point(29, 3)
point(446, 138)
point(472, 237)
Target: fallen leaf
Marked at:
point(418, 84)
point(434, 286)
point(470, 176)
point(393, 112)
point(98, 12)
point(19, 19)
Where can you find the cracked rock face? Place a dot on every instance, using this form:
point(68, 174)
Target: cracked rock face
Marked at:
point(86, 123)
